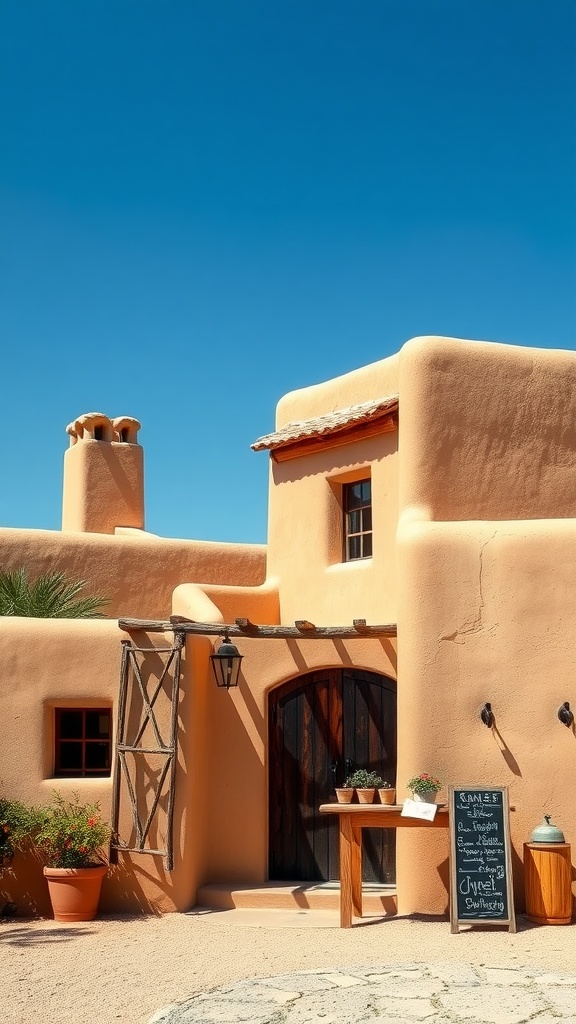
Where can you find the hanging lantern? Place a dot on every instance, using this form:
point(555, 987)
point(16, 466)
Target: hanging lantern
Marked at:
point(226, 662)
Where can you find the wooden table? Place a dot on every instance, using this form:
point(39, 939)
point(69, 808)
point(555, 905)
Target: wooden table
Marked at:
point(352, 819)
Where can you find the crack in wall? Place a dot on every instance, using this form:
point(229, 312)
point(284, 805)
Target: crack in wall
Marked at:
point(477, 624)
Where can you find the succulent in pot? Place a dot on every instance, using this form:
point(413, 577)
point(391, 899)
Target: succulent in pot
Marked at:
point(365, 783)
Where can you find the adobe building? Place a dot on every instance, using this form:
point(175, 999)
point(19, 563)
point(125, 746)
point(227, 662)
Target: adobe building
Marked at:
point(421, 561)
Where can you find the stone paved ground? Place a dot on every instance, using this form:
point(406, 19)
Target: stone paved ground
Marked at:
point(121, 969)
point(441, 993)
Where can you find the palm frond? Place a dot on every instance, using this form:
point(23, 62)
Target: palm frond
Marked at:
point(51, 596)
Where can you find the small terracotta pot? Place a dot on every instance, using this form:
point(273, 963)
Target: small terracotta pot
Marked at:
point(387, 796)
point(425, 798)
point(344, 796)
point(365, 796)
point(74, 892)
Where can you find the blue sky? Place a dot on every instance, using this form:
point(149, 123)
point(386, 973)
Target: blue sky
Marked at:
point(207, 203)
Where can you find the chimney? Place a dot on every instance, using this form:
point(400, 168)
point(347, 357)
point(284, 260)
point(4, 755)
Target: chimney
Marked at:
point(103, 475)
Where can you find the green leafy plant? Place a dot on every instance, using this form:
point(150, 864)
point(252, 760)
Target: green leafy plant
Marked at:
point(51, 596)
point(363, 779)
point(14, 827)
point(424, 783)
point(385, 785)
point(17, 823)
point(71, 834)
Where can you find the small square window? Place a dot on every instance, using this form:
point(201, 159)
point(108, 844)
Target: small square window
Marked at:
point(357, 504)
point(83, 744)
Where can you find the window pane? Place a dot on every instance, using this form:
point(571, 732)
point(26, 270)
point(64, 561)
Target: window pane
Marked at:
point(354, 548)
point(97, 724)
point(367, 545)
point(354, 497)
point(71, 757)
point(354, 521)
point(366, 519)
point(366, 492)
point(97, 756)
point(71, 725)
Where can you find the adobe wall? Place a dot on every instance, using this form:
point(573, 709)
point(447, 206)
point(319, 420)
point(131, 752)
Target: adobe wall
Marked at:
point(221, 810)
point(305, 511)
point(487, 431)
point(137, 573)
point(487, 608)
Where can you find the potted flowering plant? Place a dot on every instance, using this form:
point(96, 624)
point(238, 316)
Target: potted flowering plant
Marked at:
point(15, 827)
point(71, 838)
point(387, 793)
point(365, 783)
point(424, 787)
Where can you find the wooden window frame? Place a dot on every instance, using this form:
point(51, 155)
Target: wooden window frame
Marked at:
point(83, 771)
point(346, 512)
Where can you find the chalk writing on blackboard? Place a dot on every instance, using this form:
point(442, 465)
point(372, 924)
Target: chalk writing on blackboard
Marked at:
point(480, 861)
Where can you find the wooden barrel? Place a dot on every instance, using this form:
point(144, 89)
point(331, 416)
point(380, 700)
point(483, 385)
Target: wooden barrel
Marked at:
point(548, 882)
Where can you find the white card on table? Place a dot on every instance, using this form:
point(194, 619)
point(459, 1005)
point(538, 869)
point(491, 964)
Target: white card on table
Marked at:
point(415, 809)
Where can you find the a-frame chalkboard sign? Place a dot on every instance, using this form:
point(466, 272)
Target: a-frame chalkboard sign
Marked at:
point(480, 857)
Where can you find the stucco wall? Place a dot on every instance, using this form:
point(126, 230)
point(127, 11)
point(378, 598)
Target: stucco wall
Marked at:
point(487, 613)
point(221, 811)
point(137, 573)
point(103, 486)
point(487, 431)
point(305, 544)
point(486, 608)
point(378, 380)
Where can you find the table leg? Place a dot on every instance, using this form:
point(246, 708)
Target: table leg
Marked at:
point(357, 871)
point(346, 867)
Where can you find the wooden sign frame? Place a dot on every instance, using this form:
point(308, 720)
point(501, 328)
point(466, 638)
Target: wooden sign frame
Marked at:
point(455, 921)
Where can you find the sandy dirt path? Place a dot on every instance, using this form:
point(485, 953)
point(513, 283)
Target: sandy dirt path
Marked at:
point(127, 968)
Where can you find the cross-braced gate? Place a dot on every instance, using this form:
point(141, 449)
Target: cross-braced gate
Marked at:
point(145, 763)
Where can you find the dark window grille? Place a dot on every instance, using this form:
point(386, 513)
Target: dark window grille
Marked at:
point(83, 742)
point(357, 501)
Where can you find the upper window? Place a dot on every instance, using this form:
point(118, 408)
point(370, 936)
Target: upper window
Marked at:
point(83, 741)
point(357, 501)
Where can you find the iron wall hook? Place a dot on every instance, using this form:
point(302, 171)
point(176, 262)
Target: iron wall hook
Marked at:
point(565, 715)
point(487, 715)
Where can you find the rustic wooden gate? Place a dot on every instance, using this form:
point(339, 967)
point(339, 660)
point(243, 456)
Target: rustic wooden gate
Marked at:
point(322, 726)
point(146, 745)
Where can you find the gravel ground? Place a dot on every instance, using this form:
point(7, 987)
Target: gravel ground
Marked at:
point(127, 968)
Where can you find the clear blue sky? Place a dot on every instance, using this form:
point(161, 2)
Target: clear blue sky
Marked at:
point(207, 203)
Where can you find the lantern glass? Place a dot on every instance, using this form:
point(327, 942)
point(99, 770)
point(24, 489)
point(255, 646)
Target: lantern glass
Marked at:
point(226, 663)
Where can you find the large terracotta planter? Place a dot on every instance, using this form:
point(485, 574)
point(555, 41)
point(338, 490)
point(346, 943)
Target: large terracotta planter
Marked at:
point(74, 892)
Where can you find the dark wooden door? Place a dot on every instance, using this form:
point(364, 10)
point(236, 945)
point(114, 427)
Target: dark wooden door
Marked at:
point(321, 727)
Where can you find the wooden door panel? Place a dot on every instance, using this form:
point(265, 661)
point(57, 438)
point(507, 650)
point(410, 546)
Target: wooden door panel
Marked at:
point(369, 712)
point(321, 726)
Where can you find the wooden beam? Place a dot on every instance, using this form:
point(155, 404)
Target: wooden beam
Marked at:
point(179, 624)
point(246, 626)
point(304, 626)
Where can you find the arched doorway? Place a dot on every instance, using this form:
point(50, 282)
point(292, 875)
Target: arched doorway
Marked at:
point(322, 726)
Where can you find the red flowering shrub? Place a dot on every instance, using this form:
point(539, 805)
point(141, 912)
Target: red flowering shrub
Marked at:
point(71, 834)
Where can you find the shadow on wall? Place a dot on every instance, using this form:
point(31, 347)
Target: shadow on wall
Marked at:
point(505, 751)
point(122, 891)
point(140, 881)
point(23, 885)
